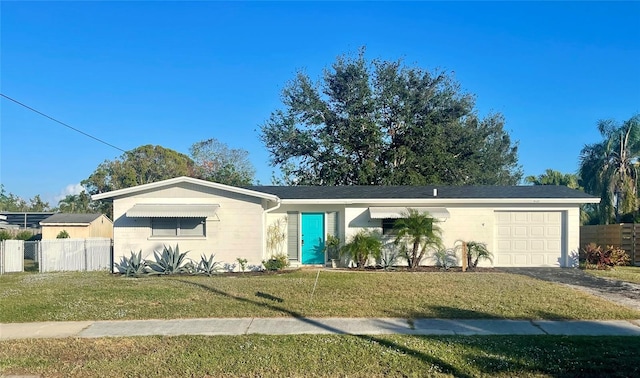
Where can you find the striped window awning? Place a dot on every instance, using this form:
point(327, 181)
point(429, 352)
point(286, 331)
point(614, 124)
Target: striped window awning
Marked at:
point(399, 212)
point(172, 210)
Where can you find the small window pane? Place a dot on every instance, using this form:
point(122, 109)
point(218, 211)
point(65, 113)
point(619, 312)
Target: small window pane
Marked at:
point(164, 226)
point(191, 227)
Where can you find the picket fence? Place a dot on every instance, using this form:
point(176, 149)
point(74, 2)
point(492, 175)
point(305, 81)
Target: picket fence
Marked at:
point(74, 255)
point(11, 256)
point(57, 255)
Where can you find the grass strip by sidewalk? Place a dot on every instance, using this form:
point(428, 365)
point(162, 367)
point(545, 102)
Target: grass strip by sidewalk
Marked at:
point(29, 297)
point(324, 355)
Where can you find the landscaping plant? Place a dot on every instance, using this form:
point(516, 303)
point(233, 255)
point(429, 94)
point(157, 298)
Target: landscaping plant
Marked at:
point(477, 252)
point(207, 266)
point(133, 266)
point(445, 258)
point(276, 262)
point(243, 263)
point(596, 258)
point(332, 247)
point(416, 233)
point(171, 261)
point(362, 246)
point(63, 235)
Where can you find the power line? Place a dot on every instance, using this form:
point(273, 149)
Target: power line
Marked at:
point(60, 122)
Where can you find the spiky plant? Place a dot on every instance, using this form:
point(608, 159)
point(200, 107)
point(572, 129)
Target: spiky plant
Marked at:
point(170, 261)
point(208, 266)
point(134, 266)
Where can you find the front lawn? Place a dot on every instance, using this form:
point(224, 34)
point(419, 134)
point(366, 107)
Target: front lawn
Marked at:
point(28, 297)
point(324, 355)
point(622, 273)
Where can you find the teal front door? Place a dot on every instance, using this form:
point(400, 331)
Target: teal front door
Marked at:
point(312, 238)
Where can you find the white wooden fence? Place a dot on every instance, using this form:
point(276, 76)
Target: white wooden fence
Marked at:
point(11, 256)
point(75, 255)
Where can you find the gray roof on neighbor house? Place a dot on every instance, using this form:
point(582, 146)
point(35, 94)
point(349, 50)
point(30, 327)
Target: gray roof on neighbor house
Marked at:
point(62, 218)
point(415, 192)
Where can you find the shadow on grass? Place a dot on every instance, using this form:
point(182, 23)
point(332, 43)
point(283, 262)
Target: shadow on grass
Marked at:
point(391, 345)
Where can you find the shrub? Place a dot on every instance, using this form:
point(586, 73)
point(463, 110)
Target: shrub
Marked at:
point(63, 235)
point(171, 261)
point(133, 266)
point(597, 258)
point(23, 235)
point(276, 262)
point(5, 235)
point(362, 246)
point(389, 255)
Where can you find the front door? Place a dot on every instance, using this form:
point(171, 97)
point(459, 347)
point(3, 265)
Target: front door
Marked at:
point(312, 238)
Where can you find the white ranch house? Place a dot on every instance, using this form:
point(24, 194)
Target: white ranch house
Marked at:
point(522, 225)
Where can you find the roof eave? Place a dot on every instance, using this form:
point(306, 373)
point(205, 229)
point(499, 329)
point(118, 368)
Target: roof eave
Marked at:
point(434, 201)
point(178, 180)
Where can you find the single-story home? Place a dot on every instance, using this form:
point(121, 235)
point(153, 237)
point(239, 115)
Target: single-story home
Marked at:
point(521, 225)
point(78, 226)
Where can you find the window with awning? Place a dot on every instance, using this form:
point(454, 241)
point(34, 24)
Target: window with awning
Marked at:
point(173, 210)
point(400, 212)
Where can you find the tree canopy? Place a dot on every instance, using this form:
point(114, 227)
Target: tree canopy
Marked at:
point(142, 165)
point(12, 202)
point(609, 169)
point(215, 161)
point(382, 123)
point(553, 177)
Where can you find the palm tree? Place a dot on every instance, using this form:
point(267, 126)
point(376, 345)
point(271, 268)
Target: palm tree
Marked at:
point(553, 177)
point(417, 232)
point(362, 246)
point(609, 169)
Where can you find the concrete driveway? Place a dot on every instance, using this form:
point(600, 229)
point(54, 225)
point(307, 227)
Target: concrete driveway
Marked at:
point(624, 293)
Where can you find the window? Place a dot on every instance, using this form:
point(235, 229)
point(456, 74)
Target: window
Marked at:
point(177, 227)
point(387, 226)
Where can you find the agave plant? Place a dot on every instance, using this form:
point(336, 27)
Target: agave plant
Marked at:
point(171, 261)
point(208, 266)
point(133, 266)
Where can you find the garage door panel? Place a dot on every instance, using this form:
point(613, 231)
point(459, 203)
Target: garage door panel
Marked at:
point(538, 259)
point(519, 231)
point(536, 231)
point(537, 245)
point(528, 238)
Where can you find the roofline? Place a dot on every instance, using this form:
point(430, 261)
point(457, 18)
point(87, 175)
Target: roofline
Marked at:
point(65, 224)
point(183, 179)
point(436, 201)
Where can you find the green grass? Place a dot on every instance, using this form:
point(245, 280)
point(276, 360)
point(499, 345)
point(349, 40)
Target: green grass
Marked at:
point(324, 355)
point(622, 273)
point(31, 297)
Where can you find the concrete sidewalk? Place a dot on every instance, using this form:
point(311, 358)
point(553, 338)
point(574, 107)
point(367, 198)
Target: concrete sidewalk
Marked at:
point(296, 326)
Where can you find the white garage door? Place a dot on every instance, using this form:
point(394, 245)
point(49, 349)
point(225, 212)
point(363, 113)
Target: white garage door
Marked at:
point(528, 238)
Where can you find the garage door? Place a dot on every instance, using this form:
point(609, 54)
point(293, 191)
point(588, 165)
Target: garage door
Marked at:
point(528, 238)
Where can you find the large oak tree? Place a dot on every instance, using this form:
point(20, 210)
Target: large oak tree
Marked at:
point(380, 122)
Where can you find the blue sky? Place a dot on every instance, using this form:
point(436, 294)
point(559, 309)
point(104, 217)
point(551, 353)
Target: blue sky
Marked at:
point(174, 73)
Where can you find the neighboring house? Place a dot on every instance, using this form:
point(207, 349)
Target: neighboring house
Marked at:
point(78, 226)
point(22, 220)
point(521, 225)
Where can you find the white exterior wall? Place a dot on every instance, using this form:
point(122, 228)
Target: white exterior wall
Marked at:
point(236, 231)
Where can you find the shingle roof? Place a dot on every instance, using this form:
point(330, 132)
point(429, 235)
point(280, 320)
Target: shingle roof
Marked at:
point(414, 192)
point(61, 218)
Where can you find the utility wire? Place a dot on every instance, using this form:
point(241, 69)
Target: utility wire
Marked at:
point(60, 122)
